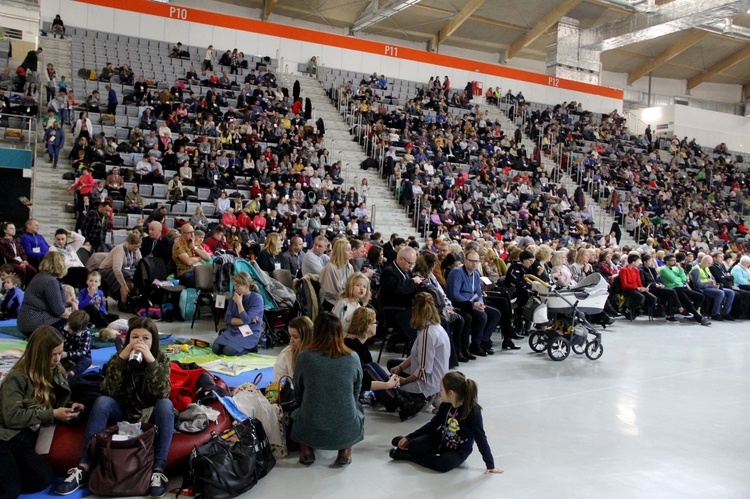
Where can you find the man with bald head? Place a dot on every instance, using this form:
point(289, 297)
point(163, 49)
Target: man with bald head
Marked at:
point(704, 282)
point(399, 287)
point(158, 245)
point(186, 255)
point(464, 288)
point(291, 259)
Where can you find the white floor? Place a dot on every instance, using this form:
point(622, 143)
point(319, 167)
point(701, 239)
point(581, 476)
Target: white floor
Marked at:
point(662, 414)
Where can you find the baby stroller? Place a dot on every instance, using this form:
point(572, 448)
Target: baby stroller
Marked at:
point(559, 315)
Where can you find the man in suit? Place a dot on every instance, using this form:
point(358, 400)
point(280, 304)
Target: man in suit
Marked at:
point(399, 288)
point(157, 245)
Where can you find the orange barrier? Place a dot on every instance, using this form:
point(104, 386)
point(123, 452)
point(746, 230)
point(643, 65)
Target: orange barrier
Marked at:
point(349, 43)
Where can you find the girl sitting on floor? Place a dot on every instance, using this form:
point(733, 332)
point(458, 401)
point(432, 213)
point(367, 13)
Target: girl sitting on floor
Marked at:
point(448, 439)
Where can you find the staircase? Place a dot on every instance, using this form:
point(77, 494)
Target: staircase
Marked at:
point(386, 215)
point(603, 220)
point(48, 187)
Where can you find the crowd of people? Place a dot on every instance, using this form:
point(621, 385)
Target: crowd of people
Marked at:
point(493, 216)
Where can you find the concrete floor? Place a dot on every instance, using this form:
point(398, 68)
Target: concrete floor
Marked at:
point(661, 414)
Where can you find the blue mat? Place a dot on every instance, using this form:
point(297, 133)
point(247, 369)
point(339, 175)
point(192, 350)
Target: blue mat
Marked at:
point(101, 355)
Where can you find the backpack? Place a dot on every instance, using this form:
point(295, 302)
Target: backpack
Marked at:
point(188, 296)
point(87, 74)
point(108, 120)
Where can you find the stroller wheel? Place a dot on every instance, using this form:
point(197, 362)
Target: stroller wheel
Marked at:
point(558, 348)
point(579, 348)
point(538, 341)
point(594, 349)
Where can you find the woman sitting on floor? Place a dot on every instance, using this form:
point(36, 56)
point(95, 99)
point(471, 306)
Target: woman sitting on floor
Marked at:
point(300, 336)
point(244, 319)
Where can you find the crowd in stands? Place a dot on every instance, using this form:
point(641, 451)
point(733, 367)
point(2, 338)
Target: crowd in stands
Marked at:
point(491, 210)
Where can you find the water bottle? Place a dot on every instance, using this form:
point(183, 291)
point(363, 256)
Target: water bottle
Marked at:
point(135, 358)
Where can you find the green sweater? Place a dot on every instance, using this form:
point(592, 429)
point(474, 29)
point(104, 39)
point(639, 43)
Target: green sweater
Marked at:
point(137, 389)
point(673, 277)
point(17, 414)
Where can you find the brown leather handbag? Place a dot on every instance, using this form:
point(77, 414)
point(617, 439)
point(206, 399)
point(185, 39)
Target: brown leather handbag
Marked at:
point(123, 467)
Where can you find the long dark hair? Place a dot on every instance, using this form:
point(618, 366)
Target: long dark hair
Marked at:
point(149, 325)
point(465, 389)
point(328, 336)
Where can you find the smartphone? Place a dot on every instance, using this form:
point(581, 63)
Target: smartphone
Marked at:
point(77, 408)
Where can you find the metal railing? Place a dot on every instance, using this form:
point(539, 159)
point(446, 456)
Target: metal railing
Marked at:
point(28, 124)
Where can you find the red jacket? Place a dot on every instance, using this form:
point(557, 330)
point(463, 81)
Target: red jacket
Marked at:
point(630, 279)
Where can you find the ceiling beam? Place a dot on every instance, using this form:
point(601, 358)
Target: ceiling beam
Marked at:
point(539, 28)
point(480, 19)
point(682, 45)
point(463, 15)
point(268, 6)
point(720, 66)
point(610, 6)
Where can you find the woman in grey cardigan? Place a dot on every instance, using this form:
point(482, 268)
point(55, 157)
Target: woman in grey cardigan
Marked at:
point(43, 303)
point(327, 381)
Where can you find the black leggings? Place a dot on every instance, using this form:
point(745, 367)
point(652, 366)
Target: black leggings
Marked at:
point(388, 398)
point(425, 451)
point(22, 470)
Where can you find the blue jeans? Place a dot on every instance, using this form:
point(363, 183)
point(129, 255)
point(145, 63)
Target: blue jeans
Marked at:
point(188, 280)
point(107, 411)
point(719, 296)
point(54, 153)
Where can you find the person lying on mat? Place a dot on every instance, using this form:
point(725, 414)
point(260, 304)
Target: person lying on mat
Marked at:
point(244, 319)
point(136, 388)
point(35, 392)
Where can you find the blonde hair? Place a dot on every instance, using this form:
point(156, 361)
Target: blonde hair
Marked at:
point(244, 279)
point(580, 255)
point(543, 253)
point(273, 244)
point(338, 255)
point(424, 312)
point(559, 258)
point(362, 319)
point(348, 292)
point(68, 291)
point(53, 264)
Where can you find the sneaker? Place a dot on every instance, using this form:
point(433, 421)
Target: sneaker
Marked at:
point(77, 478)
point(717, 318)
point(728, 317)
point(158, 484)
point(672, 318)
point(686, 315)
point(705, 321)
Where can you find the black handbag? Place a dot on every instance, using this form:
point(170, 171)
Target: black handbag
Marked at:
point(231, 464)
point(288, 405)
